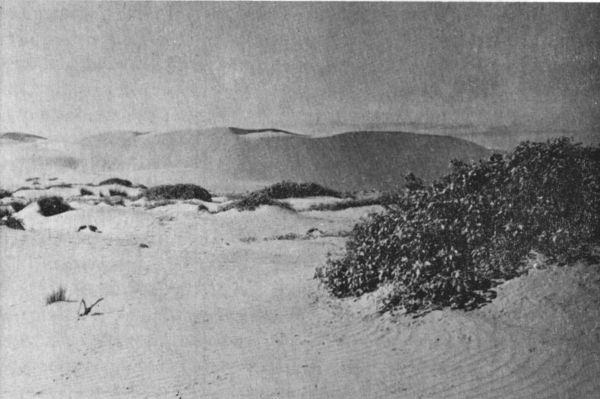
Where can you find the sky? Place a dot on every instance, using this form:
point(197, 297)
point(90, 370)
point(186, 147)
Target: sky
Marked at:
point(77, 68)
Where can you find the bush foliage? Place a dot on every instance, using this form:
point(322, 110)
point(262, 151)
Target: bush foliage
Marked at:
point(50, 206)
point(178, 191)
point(446, 244)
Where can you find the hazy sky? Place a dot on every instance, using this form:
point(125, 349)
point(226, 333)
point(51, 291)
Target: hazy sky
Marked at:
point(78, 67)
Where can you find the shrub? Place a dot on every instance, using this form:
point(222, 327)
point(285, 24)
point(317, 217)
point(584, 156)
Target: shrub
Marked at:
point(287, 189)
point(60, 295)
point(17, 206)
point(448, 243)
point(4, 193)
point(119, 193)
point(270, 195)
point(84, 191)
point(14, 223)
point(178, 191)
point(50, 206)
point(116, 180)
point(255, 199)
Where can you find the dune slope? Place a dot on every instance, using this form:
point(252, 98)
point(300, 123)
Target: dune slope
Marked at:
point(206, 312)
point(224, 158)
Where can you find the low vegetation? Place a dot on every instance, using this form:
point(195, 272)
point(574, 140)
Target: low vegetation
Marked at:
point(255, 199)
point(178, 191)
point(59, 295)
point(448, 243)
point(84, 191)
point(50, 206)
point(116, 180)
point(4, 193)
point(272, 195)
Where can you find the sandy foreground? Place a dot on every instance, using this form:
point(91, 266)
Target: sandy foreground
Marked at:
point(217, 307)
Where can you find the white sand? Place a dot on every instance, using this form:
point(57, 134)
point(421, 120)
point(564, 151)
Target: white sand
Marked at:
point(204, 313)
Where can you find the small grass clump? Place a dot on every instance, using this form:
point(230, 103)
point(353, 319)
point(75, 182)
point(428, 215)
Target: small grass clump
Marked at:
point(59, 295)
point(447, 244)
point(84, 191)
point(116, 180)
point(4, 193)
point(50, 206)
point(178, 192)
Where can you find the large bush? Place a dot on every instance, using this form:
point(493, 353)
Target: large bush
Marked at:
point(50, 206)
point(448, 243)
point(178, 191)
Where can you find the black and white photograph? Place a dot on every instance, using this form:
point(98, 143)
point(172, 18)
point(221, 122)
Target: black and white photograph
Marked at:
point(338, 199)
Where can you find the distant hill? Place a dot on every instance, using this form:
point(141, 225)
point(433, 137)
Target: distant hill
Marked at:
point(20, 137)
point(225, 158)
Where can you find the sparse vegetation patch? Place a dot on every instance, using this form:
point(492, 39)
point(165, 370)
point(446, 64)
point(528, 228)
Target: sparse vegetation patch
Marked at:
point(448, 243)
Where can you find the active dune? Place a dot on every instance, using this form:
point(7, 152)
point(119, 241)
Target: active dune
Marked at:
point(203, 301)
point(226, 160)
point(220, 306)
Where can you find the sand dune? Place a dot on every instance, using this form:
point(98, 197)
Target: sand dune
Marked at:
point(223, 160)
point(205, 311)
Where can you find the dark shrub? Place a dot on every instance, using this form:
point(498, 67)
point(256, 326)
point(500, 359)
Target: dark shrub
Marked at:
point(4, 193)
point(50, 206)
point(116, 180)
point(448, 243)
point(14, 223)
point(178, 191)
point(119, 193)
point(287, 189)
point(17, 206)
point(84, 191)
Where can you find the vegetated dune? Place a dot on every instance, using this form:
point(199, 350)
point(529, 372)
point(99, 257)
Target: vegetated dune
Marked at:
point(223, 159)
point(211, 307)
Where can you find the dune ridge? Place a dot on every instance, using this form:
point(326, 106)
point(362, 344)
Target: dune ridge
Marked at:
point(224, 157)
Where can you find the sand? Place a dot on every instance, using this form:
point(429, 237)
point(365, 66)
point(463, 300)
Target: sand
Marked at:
point(215, 307)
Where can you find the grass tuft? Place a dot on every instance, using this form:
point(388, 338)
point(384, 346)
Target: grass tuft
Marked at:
point(59, 295)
